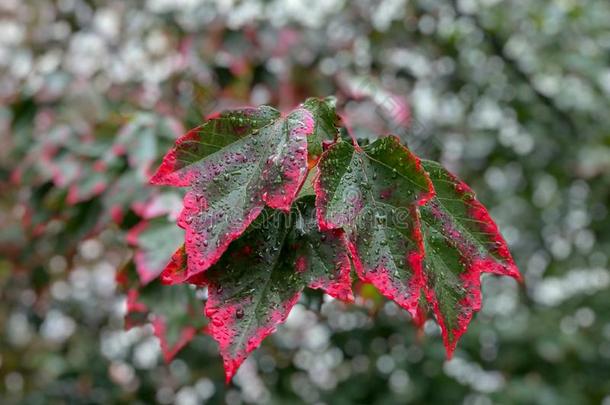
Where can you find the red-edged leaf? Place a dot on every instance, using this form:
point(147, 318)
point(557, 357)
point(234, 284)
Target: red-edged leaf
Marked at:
point(176, 270)
point(136, 312)
point(250, 291)
point(372, 193)
point(261, 276)
point(461, 242)
point(231, 187)
point(176, 315)
point(182, 163)
point(155, 241)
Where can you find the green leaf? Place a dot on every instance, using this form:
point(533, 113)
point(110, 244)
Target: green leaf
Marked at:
point(261, 276)
point(230, 187)
point(372, 193)
point(182, 162)
point(461, 242)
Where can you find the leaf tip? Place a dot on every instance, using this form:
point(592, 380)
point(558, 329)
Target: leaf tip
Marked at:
point(450, 338)
point(449, 350)
point(516, 274)
point(419, 318)
point(231, 366)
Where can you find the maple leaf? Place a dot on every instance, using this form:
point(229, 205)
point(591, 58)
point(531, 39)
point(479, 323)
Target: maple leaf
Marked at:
point(372, 193)
point(260, 227)
point(412, 228)
point(461, 242)
point(320, 257)
point(261, 276)
point(236, 164)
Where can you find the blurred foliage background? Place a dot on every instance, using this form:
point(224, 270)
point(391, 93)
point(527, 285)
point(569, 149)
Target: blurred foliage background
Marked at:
point(512, 95)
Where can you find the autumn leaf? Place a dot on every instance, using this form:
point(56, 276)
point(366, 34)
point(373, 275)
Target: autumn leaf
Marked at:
point(461, 242)
point(236, 164)
point(320, 257)
point(372, 194)
point(415, 231)
point(261, 276)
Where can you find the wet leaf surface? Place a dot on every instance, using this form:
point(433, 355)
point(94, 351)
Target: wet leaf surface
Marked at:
point(231, 186)
point(413, 231)
point(372, 194)
point(461, 242)
point(261, 276)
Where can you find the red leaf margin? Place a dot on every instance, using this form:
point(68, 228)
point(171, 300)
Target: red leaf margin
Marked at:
point(218, 314)
point(274, 198)
point(471, 278)
point(419, 282)
point(415, 258)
